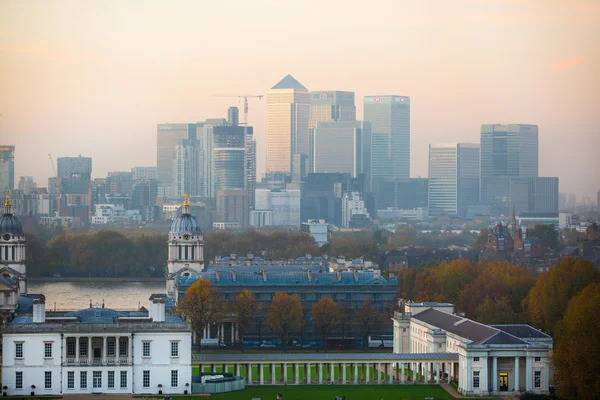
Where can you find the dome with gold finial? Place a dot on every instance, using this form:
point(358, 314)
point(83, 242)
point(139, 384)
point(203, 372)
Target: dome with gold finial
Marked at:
point(186, 222)
point(9, 224)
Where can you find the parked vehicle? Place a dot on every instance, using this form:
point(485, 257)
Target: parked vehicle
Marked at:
point(211, 343)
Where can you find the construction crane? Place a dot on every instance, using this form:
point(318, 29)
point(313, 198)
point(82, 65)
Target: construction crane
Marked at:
point(242, 96)
point(57, 186)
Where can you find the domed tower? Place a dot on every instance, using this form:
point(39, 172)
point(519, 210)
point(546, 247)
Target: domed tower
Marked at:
point(12, 248)
point(186, 248)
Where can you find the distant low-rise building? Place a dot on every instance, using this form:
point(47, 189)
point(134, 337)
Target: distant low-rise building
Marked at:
point(416, 214)
point(318, 229)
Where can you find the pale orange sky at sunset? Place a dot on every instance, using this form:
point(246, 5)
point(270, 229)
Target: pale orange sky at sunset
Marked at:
point(95, 77)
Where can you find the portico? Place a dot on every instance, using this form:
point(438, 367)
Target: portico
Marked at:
point(97, 350)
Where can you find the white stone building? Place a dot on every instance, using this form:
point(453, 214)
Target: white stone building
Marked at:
point(13, 270)
point(352, 204)
point(97, 350)
point(318, 229)
point(113, 213)
point(492, 359)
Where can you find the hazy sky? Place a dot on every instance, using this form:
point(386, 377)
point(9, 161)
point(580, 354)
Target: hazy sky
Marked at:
point(95, 77)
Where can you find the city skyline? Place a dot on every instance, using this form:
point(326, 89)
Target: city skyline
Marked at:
point(457, 70)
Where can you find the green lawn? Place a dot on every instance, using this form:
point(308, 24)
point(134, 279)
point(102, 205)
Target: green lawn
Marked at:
point(328, 392)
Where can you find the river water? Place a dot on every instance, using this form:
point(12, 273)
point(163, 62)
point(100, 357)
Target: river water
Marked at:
point(118, 295)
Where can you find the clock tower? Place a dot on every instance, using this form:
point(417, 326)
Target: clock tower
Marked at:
point(186, 249)
point(13, 268)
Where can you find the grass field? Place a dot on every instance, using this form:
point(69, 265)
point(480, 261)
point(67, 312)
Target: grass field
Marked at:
point(328, 392)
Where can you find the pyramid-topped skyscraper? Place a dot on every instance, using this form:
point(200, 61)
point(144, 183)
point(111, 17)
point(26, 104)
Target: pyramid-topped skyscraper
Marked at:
point(288, 112)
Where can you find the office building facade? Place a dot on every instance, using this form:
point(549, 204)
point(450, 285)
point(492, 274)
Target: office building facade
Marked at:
point(232, 206)
point(453, 178)
point(509, 150)
point(168, 137)
point(186, 165)
point(288, 113)
point(338, 147)
point(143, 173)
point(390, 127)
point(7, 168)
point(74, 167)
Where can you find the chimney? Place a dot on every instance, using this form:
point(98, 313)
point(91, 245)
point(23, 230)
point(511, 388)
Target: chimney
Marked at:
point(355, 276)
point(39, 310)
point(157, 309)
point(264, 274)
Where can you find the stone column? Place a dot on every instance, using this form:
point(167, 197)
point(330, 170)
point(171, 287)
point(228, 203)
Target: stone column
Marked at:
point(64, 349)
point(77, 349)
point(89, 349)
point(308, 371)
point(261, 374)
point(391, 373)
point(494, 374)
point(284, 374)
point(320, 373)
point(355, 373)
point(437, 373)
point(516, 373)
point(344, 373)
point(402, 373)
point(104, 349)
point(297, 374)
point(528, 373)
point(273, 373)
point(367, 373)
point(379, 373)
point(249, 369)
point(117, 345)
point(332, 372)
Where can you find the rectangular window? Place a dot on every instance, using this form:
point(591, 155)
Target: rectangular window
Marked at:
point(146, 379)
point(537, 379)
point(18, 350)
point(348, 297)
point(71, 349)
point(146, 349)
point(71, 380)
point(174, 378)
point(122, 349)
point(476, 359)
point(475, 379)
point(302, 296)
point(83, 350)
point(97, 379)
point(538, 359)
point(110, 348)
point(123, 379)
point(174, 349)
point(83, 379)
point(111, 379)
point(19, 380)
point(47, 379)
point(47, 350)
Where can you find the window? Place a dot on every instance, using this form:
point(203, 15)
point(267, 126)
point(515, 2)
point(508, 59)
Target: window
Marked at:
point(83, 379)
point(18, 350)
point(476, 359)
point(146, 349)
point(71, 349)
point(348, 297)
point(302, 296)
point(19, 380)
point(475, 379)
point(47, 350)
point(111, 379)
point(174, 349)
point(97, 379)
point(71, 380)
point(146, 379)
point(110, 348)
point(83, 350)
point(537, 379)
point(123, 379)
point(538, 359)
point(122, 349)
point(47, 379)
point(375, 296)
point(174, 378)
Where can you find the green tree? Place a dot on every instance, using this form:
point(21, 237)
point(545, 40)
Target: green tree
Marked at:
point(548, 299)
point(326, 315)
point(285, 316)
point(577, 353)
point(546, 233)
point(495, 311)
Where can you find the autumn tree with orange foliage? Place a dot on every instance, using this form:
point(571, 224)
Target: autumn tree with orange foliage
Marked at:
point(549, 297)
point(368, 320)
point(202, 304)
point(326, 315)
point(285, 316)
point(444, 282)
point(243, 309)
point(577, 352)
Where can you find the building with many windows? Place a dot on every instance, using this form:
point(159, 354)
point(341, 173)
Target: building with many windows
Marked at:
point(492, 359)
point(168, 137)
point(7, 168)
point(96, 350)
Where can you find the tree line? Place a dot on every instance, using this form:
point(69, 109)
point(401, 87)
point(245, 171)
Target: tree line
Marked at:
point(203, 304)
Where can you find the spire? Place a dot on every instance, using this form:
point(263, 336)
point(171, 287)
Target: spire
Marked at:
point(186, 204)
point(7, 203)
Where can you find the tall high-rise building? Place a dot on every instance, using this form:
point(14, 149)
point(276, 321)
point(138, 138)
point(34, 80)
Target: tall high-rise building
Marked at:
point(390, 142)
point(223, 162)
point(7, 168)
point(232, 206)
point(233, 116)
point(288, 112)
point(509, 150)
point(74, 167)
point(328, 106)
point(453, 178)
point(167, 140)
point(142, 173)
point(250, 167)
point(338, 147)
point(186, 166)
point(26, 184)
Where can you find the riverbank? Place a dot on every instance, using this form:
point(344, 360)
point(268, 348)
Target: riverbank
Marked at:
point(92, 279)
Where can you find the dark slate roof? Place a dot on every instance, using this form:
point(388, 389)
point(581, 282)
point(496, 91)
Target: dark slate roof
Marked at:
point(11, 224)
point(287, 278)
point(289, 82)
point(522, 331)
point(569, 250)
point(503, 338)
point(468, 329)
point(186, 223)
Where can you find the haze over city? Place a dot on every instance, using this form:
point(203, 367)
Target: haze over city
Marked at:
point(95, 78)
